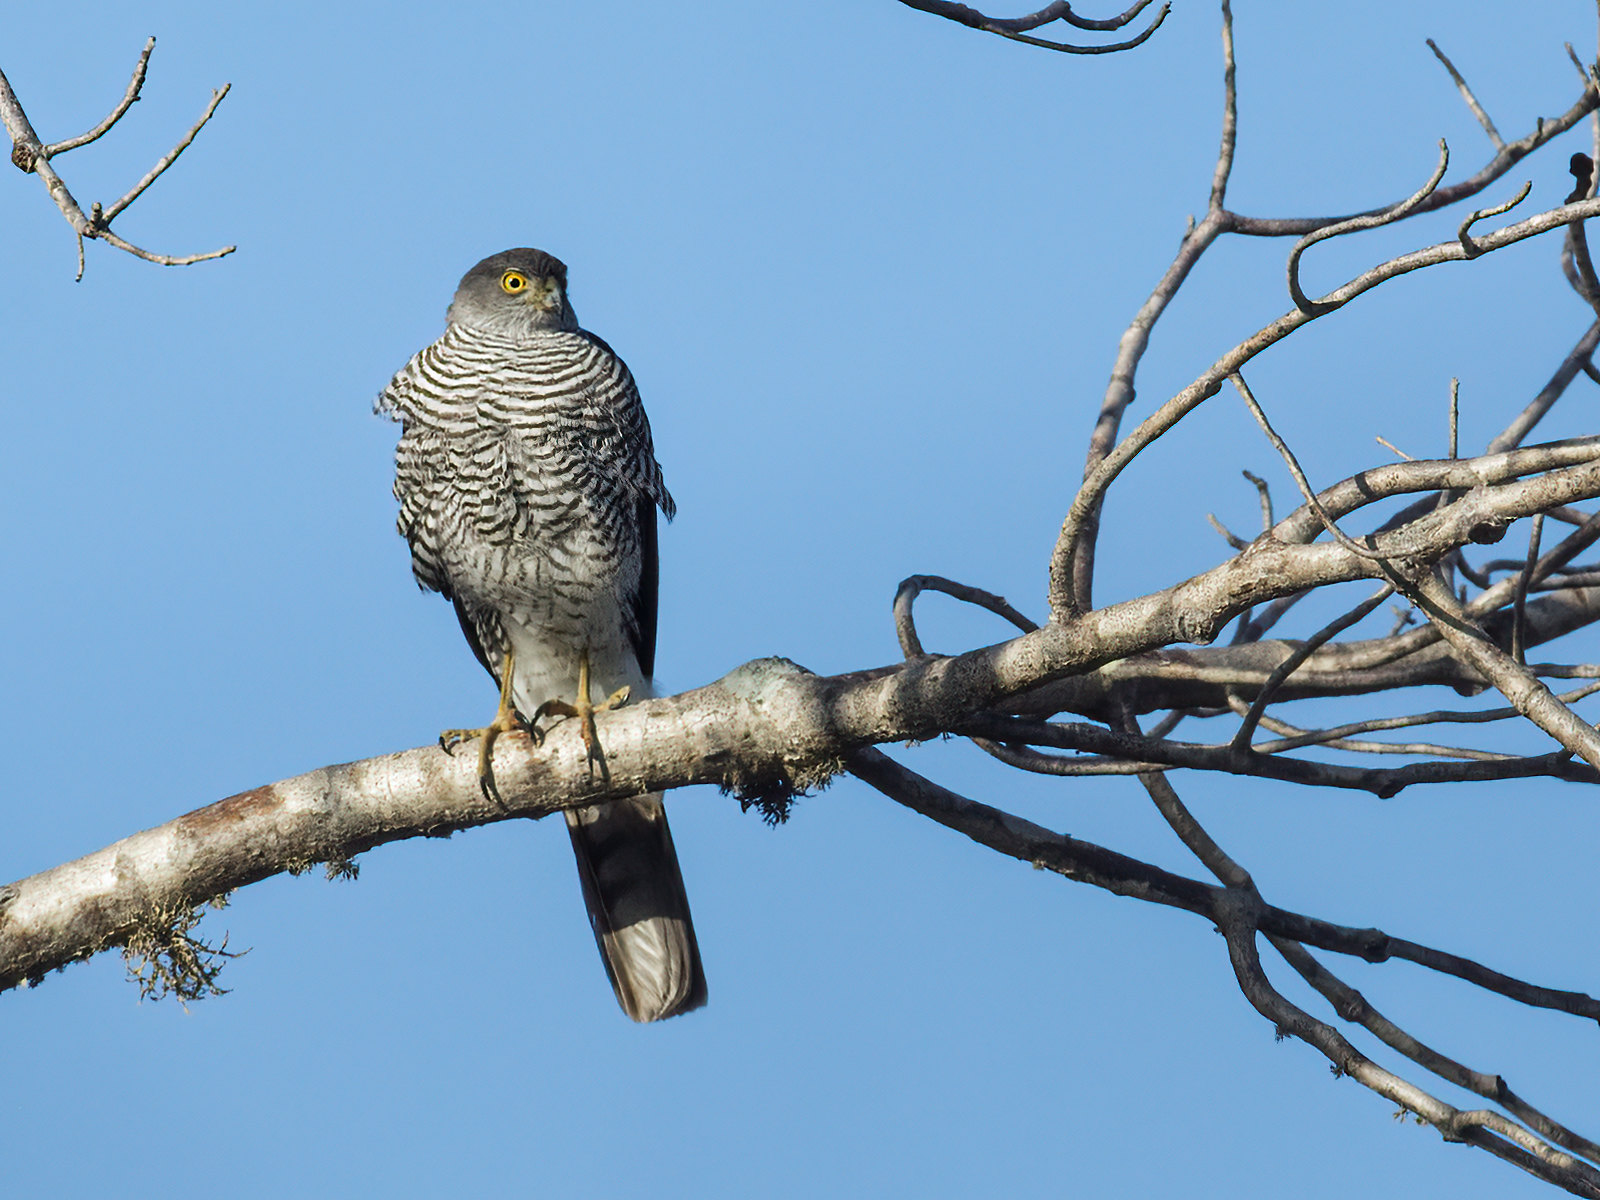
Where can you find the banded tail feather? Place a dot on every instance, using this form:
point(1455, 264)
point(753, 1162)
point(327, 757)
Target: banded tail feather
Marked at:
point(637, 906)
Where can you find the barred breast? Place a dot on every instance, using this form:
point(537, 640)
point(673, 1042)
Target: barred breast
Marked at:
point(523, 474)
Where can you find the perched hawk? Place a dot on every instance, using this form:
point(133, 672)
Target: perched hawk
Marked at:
point(528, 492)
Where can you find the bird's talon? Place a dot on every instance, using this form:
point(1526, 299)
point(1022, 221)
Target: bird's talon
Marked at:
point(490, 792)
point(506, 720)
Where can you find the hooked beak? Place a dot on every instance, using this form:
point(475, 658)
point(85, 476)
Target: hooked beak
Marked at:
point(543, 294)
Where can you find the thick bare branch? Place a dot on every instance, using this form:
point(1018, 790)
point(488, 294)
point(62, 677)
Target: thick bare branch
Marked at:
point(769, 726)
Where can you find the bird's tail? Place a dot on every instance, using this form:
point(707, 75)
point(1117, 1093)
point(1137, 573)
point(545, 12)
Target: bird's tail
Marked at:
point(638, 907)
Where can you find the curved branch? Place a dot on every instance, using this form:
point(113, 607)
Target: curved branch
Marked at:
point(905, 599)
point(1356, 225)
point(1014, 27)
point(1463, 231)
point(135, 84)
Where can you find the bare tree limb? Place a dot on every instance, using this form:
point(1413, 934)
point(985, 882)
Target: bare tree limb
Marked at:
point(769, 727)
point(1355, 225)
point(135, 85)
point(1466, 94)
point(1136, 338)
point(29, 154)
point(1015, 27)
point(1062, 598)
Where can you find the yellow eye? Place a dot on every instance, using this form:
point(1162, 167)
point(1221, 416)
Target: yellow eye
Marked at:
point(513, 282)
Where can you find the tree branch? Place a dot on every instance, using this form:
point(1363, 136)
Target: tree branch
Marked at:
point(1015, 27)
point(29, 154)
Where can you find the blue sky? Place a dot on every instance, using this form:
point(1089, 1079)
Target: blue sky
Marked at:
point(870, 270)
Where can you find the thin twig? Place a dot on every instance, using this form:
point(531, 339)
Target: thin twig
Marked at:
point(1455, 418)
point(1393, 449)
point(1264, 493)
point(1154, 753)
point(1356, 225)
point(1352, 1006)
point(167, 159)
point(1464, 230)
point(1517, 432)
point(1072, 569)
point(1086, 862)
point(1247, 727)
point(1299, 475)
point(1191, 833)
point(1466, 94)
point(1233, 539)
point(1230, 114)
point(115, 115)
point(1545, 130)
point(1024, 758)
point(1270, 615)
point(1064, 596)
point(905, 599)
point(1239, 923)
point(1293, 737)
point(1520, 604)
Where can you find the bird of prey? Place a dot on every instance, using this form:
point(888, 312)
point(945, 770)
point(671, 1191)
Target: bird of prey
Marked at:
point(528, 491)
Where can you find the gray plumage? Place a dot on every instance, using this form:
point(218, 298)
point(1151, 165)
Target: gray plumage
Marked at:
point(528, 491)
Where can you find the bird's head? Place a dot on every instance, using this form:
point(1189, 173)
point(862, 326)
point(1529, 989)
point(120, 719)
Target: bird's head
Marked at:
point(515, 293)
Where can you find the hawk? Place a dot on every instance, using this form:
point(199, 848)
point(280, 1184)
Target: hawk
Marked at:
point(528, 489)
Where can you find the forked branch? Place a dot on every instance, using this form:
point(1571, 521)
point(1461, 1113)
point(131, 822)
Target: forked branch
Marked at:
point(29, 154)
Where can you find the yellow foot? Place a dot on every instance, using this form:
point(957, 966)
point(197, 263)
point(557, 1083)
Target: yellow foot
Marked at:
point(506, 720)
point(585, 710)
